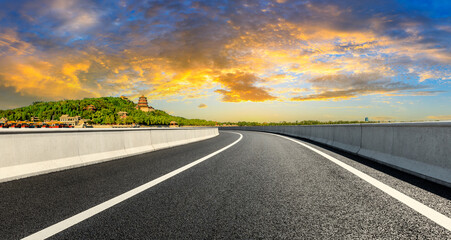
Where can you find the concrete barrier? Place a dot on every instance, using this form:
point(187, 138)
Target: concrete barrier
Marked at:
point(347, 137)
point(28, 152)
point(422, 149)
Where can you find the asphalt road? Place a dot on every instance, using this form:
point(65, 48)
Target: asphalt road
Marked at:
point(263, 187)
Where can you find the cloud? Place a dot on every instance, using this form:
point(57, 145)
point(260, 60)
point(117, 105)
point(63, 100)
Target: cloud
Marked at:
point(416, 93)
point(347, 107)
point(9, 98)
point(430, 74)
point(10, 44)
point(439, 117)
point(242, 50)
point(341, 86)
point(381, 118)
point(66, 17)
point(241, 87)
point(202, 105)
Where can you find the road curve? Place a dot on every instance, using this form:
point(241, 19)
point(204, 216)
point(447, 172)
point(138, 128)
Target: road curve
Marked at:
point(264, 186)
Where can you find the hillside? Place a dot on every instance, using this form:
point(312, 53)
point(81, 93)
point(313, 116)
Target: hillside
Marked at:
point(105, 113)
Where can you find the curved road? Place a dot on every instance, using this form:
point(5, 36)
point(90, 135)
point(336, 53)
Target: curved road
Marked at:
point(263, 186)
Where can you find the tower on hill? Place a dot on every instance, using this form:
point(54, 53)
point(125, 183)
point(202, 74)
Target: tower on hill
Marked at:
point(143, 105)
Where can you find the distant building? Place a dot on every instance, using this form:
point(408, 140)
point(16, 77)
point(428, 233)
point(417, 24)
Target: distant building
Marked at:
point(122, 114)
point(173, 124)
point(70, 120)
point(91, 107)
point(84, 123)
point(366, 119)
point(143, 105)
point(124, 98)
point(3, 120)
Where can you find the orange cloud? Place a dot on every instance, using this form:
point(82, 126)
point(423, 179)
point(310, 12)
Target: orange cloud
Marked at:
point(241, 87)
point(37, 78)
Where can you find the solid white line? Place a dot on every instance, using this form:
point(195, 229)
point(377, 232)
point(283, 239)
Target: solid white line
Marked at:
point(69, 222)
point(426, 211)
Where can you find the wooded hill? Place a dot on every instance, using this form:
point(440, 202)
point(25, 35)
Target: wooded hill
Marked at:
point(106, 109)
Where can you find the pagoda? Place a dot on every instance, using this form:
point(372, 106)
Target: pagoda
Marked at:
point(143, 105)
point(90, 107)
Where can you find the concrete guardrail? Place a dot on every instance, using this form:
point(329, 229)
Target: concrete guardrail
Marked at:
point(31, 152)
point(422, 149)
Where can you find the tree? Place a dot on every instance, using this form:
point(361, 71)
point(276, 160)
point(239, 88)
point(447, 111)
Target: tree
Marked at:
point(107, 108)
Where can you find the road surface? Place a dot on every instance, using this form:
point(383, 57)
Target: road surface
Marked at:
point(240, 185)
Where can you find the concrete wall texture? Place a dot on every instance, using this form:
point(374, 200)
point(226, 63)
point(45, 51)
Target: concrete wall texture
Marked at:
point(30, 152)
point(422, 149)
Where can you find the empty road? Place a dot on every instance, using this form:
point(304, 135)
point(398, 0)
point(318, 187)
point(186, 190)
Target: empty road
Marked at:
point(238, 185)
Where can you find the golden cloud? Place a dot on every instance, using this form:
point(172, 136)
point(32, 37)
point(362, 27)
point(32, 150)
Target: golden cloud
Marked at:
point(241, 87)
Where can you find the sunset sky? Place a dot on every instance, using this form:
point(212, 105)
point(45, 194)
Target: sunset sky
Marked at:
point(234, 60)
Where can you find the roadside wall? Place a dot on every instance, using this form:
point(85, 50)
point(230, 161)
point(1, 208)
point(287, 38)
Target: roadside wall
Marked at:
point(422, 149)
point(31, 152)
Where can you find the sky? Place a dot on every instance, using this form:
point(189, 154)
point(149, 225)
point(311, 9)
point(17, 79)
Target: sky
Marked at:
point(242, 60)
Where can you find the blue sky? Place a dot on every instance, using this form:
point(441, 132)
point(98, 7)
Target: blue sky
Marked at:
point(277, 60)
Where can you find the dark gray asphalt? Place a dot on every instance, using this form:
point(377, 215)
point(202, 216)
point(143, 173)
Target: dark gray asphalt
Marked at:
point(263, 187)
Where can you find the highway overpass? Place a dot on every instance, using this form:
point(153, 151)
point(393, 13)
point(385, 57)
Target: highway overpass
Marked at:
point(237, 185)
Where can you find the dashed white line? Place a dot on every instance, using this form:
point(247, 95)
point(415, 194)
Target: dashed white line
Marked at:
point(69, 222)
point(426, 211)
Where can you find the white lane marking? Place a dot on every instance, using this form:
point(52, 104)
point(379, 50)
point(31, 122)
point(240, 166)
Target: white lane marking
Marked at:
point(426, 211)
point(69, 222)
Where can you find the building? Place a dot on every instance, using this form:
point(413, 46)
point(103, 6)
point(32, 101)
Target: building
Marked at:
point(143, 105)
point(34, 119)
point(3, 120)
point(87, 121)
point(173, 124)
point(84, 123)
point(142, 102)
point(124, 98)
point(366, 119)
point(122, 114)
point(70, 120)
point(91, 107)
